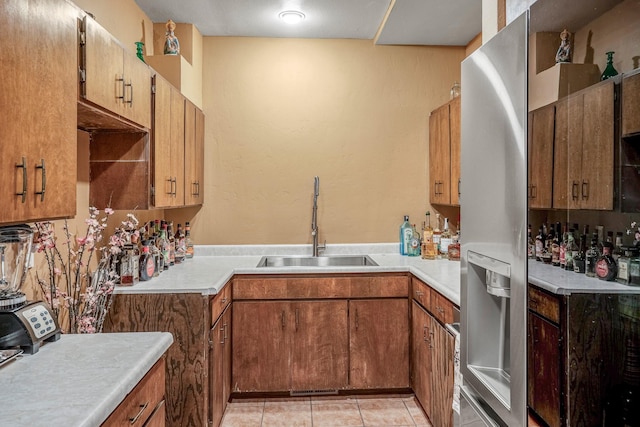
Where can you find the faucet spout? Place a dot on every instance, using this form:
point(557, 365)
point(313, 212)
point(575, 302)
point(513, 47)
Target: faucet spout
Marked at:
point(314, 218)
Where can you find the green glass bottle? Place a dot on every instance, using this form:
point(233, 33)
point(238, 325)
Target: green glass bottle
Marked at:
point(609, 71)
point(139, 53)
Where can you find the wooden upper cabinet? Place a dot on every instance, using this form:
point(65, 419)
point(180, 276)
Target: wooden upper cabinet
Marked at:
point(168, 145)
point(454, 126)
point(584, 149)
point(194, 155)
point(439, 156)
point(541, 136)
point(113, 77)
point(631, 104)
point(444, 154)
point(38, 155)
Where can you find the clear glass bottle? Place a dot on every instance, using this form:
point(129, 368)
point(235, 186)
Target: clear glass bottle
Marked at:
point(539, 244)
point(188, 244)
point(592, 256)
point(437, 234)
point(609, 70)
point(181, 249)
point(129, 265)
point(617, 250)
point(163, 245)
point(563, 247)
point(405, 236)
point(445, 239)
point(172, 244)
point(414, 242)
point(531, 244)
point(572, 250)
point(427, 238)
point(555, 246)
point(454, 247)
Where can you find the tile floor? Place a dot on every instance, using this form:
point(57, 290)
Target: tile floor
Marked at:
point(326, 411)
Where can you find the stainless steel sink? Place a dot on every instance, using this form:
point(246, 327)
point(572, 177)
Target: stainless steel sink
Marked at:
point(321, 261)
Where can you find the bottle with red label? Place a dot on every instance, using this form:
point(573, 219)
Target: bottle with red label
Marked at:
point(606, 267)
point(147, 262)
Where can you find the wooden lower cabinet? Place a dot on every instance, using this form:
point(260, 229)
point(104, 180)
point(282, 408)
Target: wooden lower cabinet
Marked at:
point(289, 345)
point(442, 376)
point(379, 343)
point(421, 377)
point(145, 404)
point(219, 366)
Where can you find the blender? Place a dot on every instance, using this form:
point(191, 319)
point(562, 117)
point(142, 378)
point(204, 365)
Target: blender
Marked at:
point(23, 324)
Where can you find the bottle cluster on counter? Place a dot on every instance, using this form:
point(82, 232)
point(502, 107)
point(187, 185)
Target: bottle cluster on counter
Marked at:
point(155, 251)
point(584, 253)
point(433, 243)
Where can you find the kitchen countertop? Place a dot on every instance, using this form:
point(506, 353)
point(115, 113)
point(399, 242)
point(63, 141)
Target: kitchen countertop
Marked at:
point(213, 266)
point(78, 380)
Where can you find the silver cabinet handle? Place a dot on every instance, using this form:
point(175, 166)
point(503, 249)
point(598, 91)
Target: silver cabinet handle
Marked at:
point(574, 190)
point(221, 333)
point(23, 166)
point(121, 81)
point(44, 179)
point(585, 189)
point(226, 337)
point(139, 414)
point(130, 86)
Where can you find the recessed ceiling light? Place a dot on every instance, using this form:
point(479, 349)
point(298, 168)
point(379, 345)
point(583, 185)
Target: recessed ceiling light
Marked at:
point(291, 16)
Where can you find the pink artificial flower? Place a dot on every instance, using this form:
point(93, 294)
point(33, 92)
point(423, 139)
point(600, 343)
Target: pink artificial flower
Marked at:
point(108, 211)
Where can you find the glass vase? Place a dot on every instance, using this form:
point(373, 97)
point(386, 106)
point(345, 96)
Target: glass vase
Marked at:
point(609, 71)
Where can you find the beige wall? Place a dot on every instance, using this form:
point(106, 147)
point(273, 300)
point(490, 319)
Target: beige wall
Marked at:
point(280, 111)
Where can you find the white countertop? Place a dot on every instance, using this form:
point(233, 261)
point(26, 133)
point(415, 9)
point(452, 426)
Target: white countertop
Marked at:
point(78, 380)
point(213, 266)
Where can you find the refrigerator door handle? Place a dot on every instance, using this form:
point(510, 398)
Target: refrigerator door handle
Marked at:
point(475, 405)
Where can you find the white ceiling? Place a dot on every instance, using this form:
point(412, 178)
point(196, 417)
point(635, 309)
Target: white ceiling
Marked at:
point(409, 22)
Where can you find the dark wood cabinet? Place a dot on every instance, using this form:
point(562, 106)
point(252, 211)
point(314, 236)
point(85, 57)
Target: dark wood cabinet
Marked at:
point(219, 366)
point(432, 349)
point(631, 104)
point(379, 343)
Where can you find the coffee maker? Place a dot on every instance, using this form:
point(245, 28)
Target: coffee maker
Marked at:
point(23, 324)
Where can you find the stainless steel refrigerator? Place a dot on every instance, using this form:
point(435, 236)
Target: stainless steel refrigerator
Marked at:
point(493, 344)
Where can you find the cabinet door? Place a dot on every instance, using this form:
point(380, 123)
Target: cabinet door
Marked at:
point(319, 345)
point(442, 375)
point(194, 154)
point(41, 123)
point(596, 186)
point(177, 146)
point(219, 367)
point(104, 66)
point(454, 126)
point(260, 346)
point(542, 124)
point(421, 356)
point(137, 101)
point(631, 105)
point(379, 343)
point(544, 369)
point(567, 164)
point(439, 156)
point(163, 173)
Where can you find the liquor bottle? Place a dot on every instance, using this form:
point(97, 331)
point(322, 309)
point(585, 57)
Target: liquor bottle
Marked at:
point(163, 245)
point(531, 244)
point(437, 234)
point(405, 236)
point(172, 243)
point(579, 261)
point(180, 245)
point(621, 406)
point(147, 263)
point(427, 239)
point(129, 265)
point(188, 244)
point(572, 250)
point(555, 246)
point(157, 255)
point(563, 247)
point(592, 256)
point(617, 250)
point(454, 247)
point(445, 239)
point(606, 268)
point(414, 242)
point(540, 243)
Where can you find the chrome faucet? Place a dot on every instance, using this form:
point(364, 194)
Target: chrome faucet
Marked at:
point(314, 218)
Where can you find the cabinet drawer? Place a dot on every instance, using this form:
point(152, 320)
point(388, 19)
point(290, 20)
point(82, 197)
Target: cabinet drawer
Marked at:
point(421, 293)
point(441, 308)
point(139, 405)
point(380, 286)
point(544, 304)
point(220, 302)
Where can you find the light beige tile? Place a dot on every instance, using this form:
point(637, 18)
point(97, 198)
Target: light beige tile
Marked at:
point(287, 400)
point(333, 399)
point(242, 416)
point(336, 414)
point(247, 402)
point(287, 414)
point(416, 412)
point(384, 412)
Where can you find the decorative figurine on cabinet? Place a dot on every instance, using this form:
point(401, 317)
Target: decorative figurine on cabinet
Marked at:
point(171, 44)
point(564, 51)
